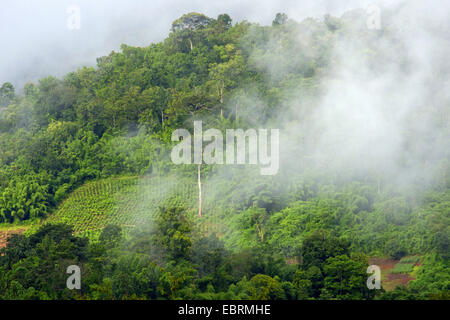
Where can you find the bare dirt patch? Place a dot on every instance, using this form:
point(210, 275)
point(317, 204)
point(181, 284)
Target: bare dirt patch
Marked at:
point(384, 263)
point(5, 234)
point(389, 280)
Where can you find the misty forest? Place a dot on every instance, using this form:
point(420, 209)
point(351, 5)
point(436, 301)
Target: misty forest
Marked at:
point(86, 176)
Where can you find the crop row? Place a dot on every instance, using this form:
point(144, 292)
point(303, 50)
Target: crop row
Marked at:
point(131, 202)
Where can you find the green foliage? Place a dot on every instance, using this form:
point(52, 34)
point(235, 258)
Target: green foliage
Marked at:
point(319, 246)
point(173, 228)
point(413, 259)
point(23, 200)
point(344, 278)
point(111, 236)
point(395, 249)
point(92, 150)
point(403, 268)
point(7, 94)
point(263, 287)
point(34, 267)
point(280, 19)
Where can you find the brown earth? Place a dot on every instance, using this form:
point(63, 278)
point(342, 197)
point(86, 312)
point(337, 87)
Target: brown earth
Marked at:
point(388, 280)
point(384, 264)
point(403, 278)
point(5, 234)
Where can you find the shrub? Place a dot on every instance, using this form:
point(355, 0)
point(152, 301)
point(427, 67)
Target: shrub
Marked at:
point(403, 268)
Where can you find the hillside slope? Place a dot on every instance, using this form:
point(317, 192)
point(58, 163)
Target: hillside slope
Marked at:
point(129, 202)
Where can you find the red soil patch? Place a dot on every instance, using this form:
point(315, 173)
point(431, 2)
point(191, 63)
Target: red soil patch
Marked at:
point(4, 235)
point(389, 280)
point(395, 280)
point(402, 277)
point(384, 264)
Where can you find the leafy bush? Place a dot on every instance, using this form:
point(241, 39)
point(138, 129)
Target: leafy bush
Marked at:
point(403, 268)
point(413, 259)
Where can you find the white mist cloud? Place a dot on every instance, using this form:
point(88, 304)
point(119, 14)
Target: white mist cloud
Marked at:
point(381, 100)
point(36, 41)
point(383, 105)
point(367, 115)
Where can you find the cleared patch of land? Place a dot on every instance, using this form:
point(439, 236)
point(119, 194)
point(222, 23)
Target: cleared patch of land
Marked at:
point(6, 233)
point(396, 272)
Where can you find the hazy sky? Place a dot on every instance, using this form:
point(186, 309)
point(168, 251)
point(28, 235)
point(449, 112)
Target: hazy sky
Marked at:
point(36, 41)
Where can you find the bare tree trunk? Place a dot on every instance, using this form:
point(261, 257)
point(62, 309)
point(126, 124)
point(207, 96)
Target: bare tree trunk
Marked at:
point(260, 231)
point(191, 43)
point(199, 192)
point(221, 92)
point(162, 118)
point(221, 99)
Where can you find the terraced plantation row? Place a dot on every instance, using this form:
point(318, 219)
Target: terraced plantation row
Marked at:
point(132, 202)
